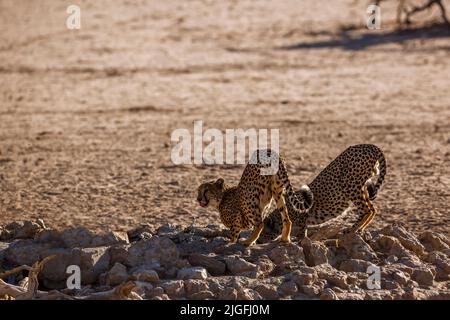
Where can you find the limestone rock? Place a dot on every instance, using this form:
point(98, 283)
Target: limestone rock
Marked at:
point(174, 288)
point(406, 238)
point(288, 288)
point(155, 251)
point(310, 290)
point(355, 265)
point(434, 241)
point(146, 275)
point(192, 273)
point(315, 252)
point(199, 263)
point(334, 277)
point(193, 286)
point(117, 275)
point(328, 294)
point(304, 276)
point(350, 296)
point(423, 276)
point(143, 232)
point(267, 291)
point(238, 265)
point(143, 288)
point(25, 252)
point(22, 230)
point(357, 248)
point(79, 237)
point(110, 239)
point(248, 294)
point(291, 252)
point(92, 263)
point(442, 263)
point(213, 265)
point(203, 295)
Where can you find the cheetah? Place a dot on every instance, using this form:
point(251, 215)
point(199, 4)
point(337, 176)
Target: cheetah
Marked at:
point(350, 182)
point(242, 206)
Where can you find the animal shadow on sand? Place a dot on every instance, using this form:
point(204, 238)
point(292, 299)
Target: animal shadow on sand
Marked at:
point(354, 41)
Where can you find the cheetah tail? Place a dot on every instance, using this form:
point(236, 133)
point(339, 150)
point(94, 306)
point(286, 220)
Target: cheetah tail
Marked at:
point(301, 201)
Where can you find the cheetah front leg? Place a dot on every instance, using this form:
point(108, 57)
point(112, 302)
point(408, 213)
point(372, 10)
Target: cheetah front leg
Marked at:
point(287, 224)
point(235, 231)
point(255, 217)
point(254, 236)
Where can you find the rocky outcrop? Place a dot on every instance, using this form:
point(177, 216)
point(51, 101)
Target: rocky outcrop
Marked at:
point(198, 263)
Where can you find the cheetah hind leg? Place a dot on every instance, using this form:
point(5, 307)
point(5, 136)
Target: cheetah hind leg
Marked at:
point(287, 224)
point(369, 212)
point(366, 213)
point(302, 231)
point(369, 218)
point(254, 236)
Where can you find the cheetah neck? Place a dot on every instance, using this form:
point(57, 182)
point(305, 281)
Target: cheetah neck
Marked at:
point(230, 190)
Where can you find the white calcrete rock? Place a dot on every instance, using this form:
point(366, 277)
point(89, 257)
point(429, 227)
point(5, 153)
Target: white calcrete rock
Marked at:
point(334, 277)
point(287, 252)
point(79, 237)
point(193, 286)
point(328, 294)
point(237, 265)
point(357, 248)
point(25, 252)
point(288, 288)
point(145, 274)
point(203, 295)
point(157, 250)
point(315, 252)
point(92, 263)
point(355, 265)
point(267, 291)
point(406, 238)
point(117, 275)
point(192, 273)
point(174, 288)
point(304, 276)
point(22, 229)
point(209, 262)
point(423, 276)
point(434, 241)
point(442, 263)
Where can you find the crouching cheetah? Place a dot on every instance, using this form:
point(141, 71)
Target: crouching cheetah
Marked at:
point(351, 181)
point(242, 206)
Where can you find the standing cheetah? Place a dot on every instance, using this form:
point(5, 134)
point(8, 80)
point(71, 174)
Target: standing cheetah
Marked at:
point(242, 206)
point(352, 180)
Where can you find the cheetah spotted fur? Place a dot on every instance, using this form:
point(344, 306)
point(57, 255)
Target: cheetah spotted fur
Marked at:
point(351, 181)
point(242, 206)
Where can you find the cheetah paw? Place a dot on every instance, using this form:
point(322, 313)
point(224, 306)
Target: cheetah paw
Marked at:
point(286, 240)
point(365, 235)
point(247, 242)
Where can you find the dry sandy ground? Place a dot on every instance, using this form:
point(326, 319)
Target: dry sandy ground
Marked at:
point(86, 115)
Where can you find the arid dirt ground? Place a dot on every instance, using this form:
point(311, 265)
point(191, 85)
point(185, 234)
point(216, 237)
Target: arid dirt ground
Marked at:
point(86, 115)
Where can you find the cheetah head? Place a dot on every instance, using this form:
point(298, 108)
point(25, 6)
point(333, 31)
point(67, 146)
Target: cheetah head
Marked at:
point(210, 193)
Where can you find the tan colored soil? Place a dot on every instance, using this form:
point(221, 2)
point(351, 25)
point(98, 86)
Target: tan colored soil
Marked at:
point(86, 115)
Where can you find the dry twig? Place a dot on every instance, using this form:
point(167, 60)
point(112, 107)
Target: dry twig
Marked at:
point(29, 290)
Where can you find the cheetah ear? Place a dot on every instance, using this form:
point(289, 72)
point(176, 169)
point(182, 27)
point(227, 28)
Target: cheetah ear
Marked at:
point(220, 182)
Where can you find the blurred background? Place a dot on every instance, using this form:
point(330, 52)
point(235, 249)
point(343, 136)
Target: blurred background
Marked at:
point(86, 115)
